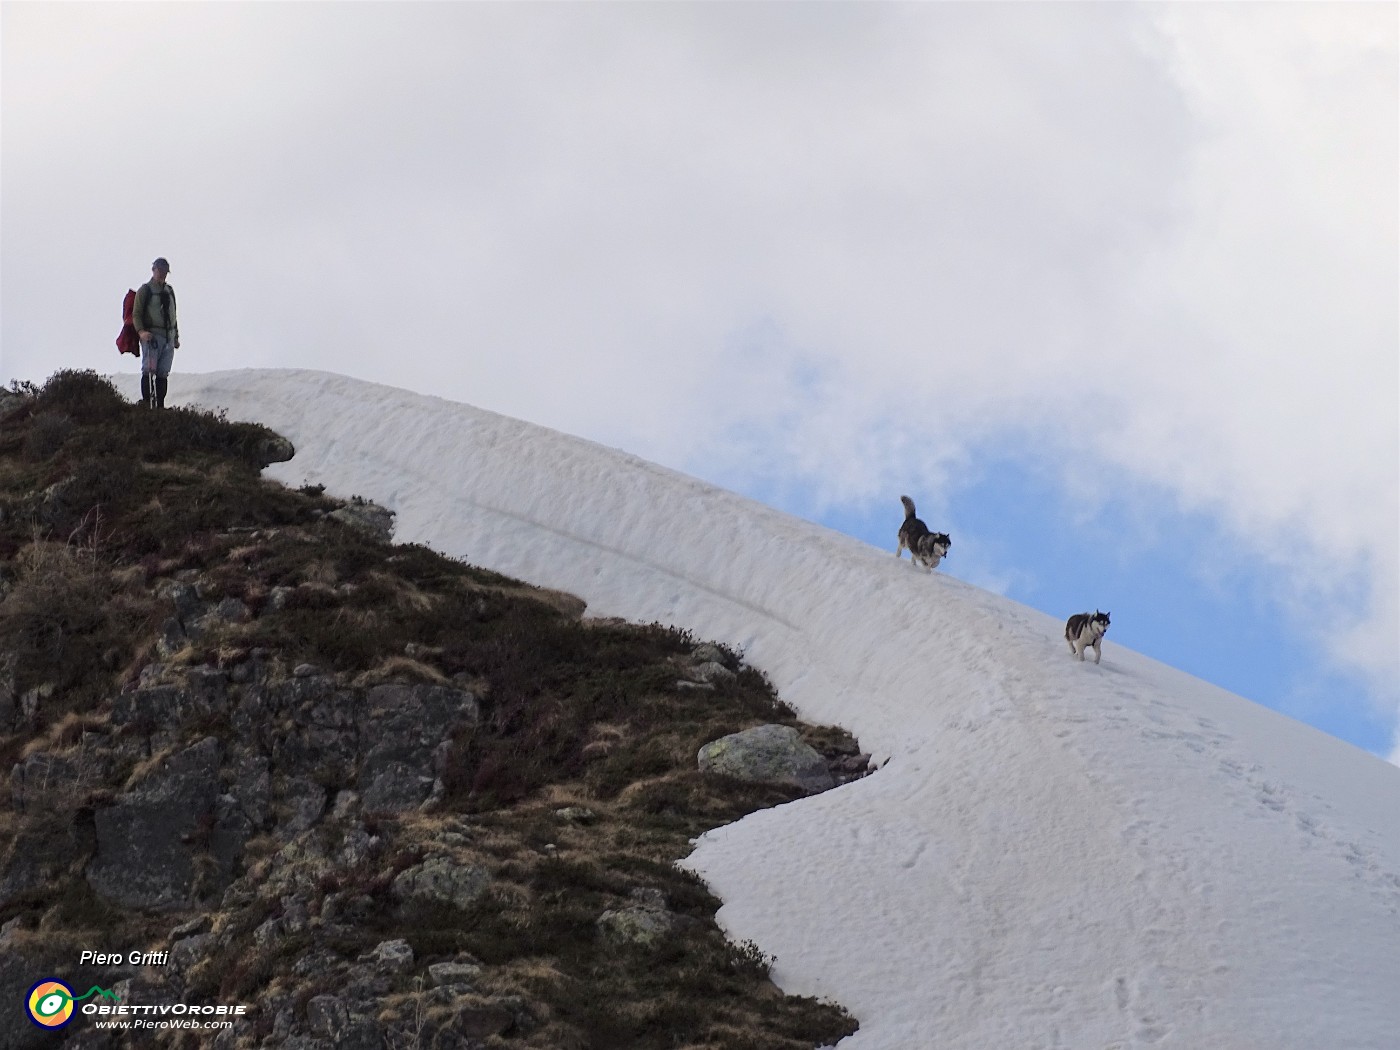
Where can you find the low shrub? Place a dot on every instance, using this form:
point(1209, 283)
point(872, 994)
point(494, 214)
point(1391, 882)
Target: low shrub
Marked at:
point(52, 619)
point(47, 433)
point(84, 395)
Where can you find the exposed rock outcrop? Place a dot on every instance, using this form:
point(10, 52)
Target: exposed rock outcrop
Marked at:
point(441, 880)
point(274, 449)
point(644, 923)
point(768, 754)
point(147, 841)
point(369, 518)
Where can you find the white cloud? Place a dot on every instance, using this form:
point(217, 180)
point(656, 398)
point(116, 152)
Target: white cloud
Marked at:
point(829, 240)
point(1278, 403)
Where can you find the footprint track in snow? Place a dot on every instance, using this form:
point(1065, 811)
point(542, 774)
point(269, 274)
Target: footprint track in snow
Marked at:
point(1150, 1029)
point(1276, 798)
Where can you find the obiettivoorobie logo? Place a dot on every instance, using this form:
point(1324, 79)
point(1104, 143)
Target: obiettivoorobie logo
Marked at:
point(51, 1002)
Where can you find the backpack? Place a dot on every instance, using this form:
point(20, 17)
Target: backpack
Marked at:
point(128, 342)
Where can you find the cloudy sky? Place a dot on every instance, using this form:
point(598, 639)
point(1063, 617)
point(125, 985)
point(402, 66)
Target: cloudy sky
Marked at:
point(1111, 290)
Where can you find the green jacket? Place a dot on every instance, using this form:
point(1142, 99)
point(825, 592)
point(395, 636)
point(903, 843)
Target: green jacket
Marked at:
point(155, 310)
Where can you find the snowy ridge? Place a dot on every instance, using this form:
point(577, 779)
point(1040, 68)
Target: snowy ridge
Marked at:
point(1055, 855)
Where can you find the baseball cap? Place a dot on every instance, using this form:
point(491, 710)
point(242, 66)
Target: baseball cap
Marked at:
point(161, 264)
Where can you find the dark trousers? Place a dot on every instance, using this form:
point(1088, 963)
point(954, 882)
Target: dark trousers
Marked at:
point(153, 396)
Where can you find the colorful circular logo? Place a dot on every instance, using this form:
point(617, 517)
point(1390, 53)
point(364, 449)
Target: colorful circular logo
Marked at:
point(51, 1004)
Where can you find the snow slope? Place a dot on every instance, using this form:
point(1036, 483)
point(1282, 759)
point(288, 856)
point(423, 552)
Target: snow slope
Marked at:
point(1055, 855)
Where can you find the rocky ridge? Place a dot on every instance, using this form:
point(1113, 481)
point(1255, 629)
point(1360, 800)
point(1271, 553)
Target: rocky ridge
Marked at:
point(379, 797)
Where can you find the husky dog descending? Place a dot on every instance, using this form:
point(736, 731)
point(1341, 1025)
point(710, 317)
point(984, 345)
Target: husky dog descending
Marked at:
point(925, 548)
point(1083, 631)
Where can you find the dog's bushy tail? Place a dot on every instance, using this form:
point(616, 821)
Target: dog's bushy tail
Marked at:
point(908, 507)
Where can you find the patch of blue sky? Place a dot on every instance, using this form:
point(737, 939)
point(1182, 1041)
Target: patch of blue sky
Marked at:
point(1179, 587)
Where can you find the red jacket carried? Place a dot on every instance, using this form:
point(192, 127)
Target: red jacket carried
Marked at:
point(128, 342)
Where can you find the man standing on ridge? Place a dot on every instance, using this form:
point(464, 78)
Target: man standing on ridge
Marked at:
point(159, 332)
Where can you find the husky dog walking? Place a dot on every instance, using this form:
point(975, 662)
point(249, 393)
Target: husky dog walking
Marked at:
point(925, 548)
point(1083, 631)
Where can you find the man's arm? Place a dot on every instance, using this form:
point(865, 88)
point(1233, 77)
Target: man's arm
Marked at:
point(138, 313)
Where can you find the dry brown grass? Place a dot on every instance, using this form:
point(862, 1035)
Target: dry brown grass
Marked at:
point(571, 606)
point(322, 572)
point(316, 594)
point(68, 731)
point(407, 597)
point(149, 766)
point(54, 617)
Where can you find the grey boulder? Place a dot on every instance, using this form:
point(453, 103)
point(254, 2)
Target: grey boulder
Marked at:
point(767, 754)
